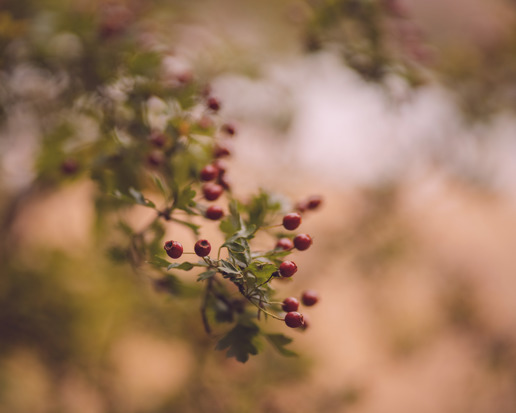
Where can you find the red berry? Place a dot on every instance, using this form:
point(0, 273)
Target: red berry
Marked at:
point(221, 165)
point(155, 158)
point(229, 129)
point(202, 248)
point(224, 182)
point(287, 268)
point(157, 139)
point(306, 322)
point(212, 191)
point(309, 298)
point(302, 206)
point(174, 249)
point(221, 150)
point(209, 173)
point(314, 202)
point(302, 242)
point(290, 304)
point(294, 319)
point(291, 221)
point(214, 213)
point(213, 103)
point(285, 244)
point(69, 166)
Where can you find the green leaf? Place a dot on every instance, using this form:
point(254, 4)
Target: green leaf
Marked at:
point(161, 187)
point(185, 266)
point(261, 270)
point(135, 198)
point(159, 262)
point(206, 274)
point(279, 341)
point(193, 227)
point(226, 268)
point(170, 284)
point(241, 341)
point(184, 198)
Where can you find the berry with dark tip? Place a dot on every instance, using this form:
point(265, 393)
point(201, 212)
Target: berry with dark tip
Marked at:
point(221, 150)
point(214, 213)
point(221, 165)
point(229, 129)
point(290, 304)
point(309, 298)
point(287, 268)
point(202, 248)
point(291, 221)
point(212, 191)
point(209, 173)
point(294, 319)
point(314, 202)
point(285, 244)
point(213, 103)
point(174, 249)
point(302, 242)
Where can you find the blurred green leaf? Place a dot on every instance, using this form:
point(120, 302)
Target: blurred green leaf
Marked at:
point(279, 341)
point(241, 341)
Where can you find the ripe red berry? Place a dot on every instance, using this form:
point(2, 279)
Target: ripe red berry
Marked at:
point(290, 304)
point(314, 202)
point(302, 242)
point(202, 248)
point(212, 191)
point(291, 221)
point(69, 166)
point(209, 173)
point(287, 268)
point(157, 139)
point(285, 244)
point(294, 319)
point(214, 213)
point(155, 158)
point(309, 298)
point(220, 150)
point(229, 129)
point(213, 103)
point(174, 249)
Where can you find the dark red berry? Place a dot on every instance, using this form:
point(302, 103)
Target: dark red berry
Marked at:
point(302, 241)
point(285, 244)
point(214, 212)
point(290, 304)
point(209, 173)
point(220, 150)
point(213, 103)
point(174, 249)
point(291, 221)
point(212, 191)
point(157, 139)
point(69, 166)
point(287, 268)
point(302, 206)
point(314, 202)
point(155, 158)
point(202, 248)
point(229, 129)
point(294, 319)
point(309, 298)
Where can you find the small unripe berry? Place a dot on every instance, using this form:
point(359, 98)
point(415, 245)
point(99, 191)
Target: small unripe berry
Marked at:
point(174, 249)
point(202, 248)
point(213, 103)
point(229, 129)
point(302, 241)
point(291, 221)
point(294, 319)
point(287, 268)
point(309, 298)
point(314, 202)
point(285, 244)
point(212, 191)
point(290, 304)
point(214, 213)
point(209, 173)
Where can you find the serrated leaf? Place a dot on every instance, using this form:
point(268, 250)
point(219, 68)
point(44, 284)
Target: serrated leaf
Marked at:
point(193, 227)
point(185, 266)
point(261, 270)
point(226, 268)
point(279, 341)
point(161, 186)
point(140, 199)
point(241, 341)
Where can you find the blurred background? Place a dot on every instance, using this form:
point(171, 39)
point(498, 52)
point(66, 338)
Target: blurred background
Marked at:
point(400, 114)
